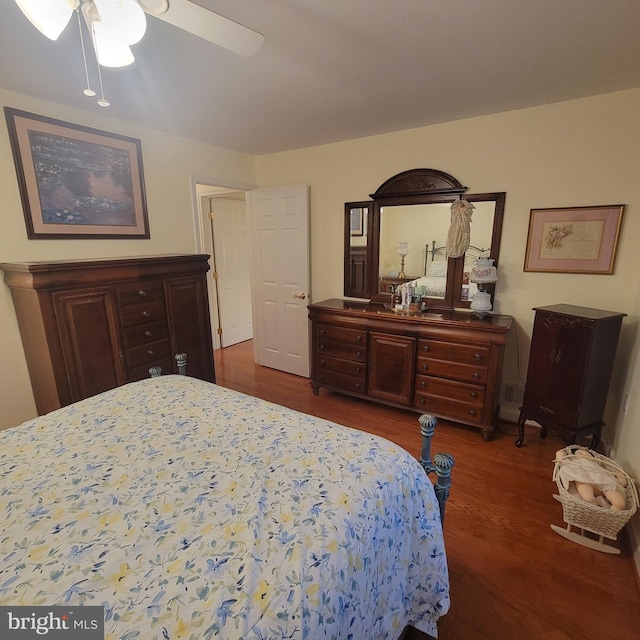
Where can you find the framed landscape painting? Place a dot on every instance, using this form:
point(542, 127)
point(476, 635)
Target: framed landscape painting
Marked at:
point(574, 239)
point(77, 182)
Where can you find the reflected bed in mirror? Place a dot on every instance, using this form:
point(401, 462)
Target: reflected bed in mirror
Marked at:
point(415, 207)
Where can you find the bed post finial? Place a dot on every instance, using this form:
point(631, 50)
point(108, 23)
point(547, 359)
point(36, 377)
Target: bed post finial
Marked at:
point(427, 429)
point(154, 372)
point(181, 361)
point(444, 464)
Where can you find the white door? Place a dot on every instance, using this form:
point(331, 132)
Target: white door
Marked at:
point(232, 255)
point(279, 219)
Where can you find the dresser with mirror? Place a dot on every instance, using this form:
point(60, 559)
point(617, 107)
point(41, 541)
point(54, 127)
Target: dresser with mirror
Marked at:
point(441, 359)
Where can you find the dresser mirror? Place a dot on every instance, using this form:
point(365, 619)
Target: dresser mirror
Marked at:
point(414, 207)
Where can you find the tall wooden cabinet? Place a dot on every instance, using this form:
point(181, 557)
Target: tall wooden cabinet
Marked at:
point(447, 363)
point(90, 326)
point(570, 365)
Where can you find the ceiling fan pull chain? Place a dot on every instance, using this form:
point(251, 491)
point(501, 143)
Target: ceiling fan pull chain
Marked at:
point(88, 91)
point(103, 102)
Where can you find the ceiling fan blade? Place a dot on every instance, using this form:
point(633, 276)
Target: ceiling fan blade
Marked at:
point(212, 27)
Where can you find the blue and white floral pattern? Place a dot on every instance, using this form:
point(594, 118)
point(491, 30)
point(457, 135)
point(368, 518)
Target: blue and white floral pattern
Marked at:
point(192, 511)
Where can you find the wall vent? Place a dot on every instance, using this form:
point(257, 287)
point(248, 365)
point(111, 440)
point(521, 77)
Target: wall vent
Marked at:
point(513, 393)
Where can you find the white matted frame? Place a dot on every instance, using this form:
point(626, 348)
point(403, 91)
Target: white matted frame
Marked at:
point(574, 239)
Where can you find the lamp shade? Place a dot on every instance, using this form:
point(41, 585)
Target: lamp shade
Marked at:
point(121, 20)
point(403, 248)
point(483, 271)
point(50, 17)
point(111, 53)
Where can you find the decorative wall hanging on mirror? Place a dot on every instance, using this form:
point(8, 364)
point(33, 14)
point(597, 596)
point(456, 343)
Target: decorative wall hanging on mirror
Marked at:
point(416, 205)
point(77, 182)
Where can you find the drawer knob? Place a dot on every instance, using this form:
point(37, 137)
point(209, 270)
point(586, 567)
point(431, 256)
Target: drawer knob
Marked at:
point(145, 314)
point(150, 352)
point(142, 293)
point(472, 412)
point(359, 354)
point(423, 384)
point(425, 367)
point(422, 401)
point(359, 338)
point(321, 347)
point(478, 357)
point(474, 394)
point(358, 385)
point(148, 334)
point(476, 376)
point(426, 347)
point(322, 363)
point(358, 369)
point(321, 332)
point(322, 376)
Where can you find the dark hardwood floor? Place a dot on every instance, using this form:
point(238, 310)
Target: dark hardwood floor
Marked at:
point(512, 577)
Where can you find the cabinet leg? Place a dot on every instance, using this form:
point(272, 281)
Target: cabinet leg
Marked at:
point(520, 439)
point(487, 434)
point(595, 438)
point(315, 388)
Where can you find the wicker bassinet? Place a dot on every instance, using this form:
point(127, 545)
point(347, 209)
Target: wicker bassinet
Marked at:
point(590, 517)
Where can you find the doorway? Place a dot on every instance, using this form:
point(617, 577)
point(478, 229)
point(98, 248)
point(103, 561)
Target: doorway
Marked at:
point(227, 240)
point(275, 254)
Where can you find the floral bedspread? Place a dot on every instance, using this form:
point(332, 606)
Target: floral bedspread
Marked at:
point(188, 510)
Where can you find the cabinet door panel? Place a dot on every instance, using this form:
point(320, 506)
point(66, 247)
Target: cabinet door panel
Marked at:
point(392, 366)
point(188, 314)
point(560, 352)
point(89, 338)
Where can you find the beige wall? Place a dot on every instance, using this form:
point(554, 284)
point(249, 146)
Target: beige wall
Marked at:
point(170, 165)
point(583, 152)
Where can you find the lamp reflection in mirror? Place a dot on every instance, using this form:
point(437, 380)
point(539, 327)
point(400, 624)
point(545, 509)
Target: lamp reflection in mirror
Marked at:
point(482, 273)
point(403, 252)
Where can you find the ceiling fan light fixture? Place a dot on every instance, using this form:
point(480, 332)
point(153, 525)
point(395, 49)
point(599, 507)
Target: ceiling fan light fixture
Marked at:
point(122, 20)
point(109, 52)
point(50, 17)
point(154, 7)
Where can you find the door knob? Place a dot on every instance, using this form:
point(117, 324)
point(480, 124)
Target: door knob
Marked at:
point(300, 296)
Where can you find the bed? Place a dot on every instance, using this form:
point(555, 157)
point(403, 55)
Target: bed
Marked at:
point(188, 510)
point(434, 279)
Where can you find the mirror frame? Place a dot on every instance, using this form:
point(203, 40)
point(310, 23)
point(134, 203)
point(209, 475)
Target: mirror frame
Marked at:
point(419, 186)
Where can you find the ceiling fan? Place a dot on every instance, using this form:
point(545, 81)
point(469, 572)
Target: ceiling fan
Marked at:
point(206, 24)
point(119, 17)
point(114, 25)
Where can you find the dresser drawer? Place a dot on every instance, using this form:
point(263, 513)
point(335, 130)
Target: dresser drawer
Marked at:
point(327, 332)
point(454, 352)
point(146, 312)
point(449, 389)
point(145, 333)
point(338, 365)
point(541, 407)
point(135, 293)
point(455, 410)
point(355, 352)
point(452, 370)
point(342, 381)
point(142, 372)
point(147, 354)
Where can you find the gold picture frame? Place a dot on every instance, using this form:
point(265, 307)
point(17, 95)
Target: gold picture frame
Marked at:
point(77, 182)
point(574, 239)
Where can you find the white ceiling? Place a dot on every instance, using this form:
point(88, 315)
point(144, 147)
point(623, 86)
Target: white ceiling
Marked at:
point(333, 70)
